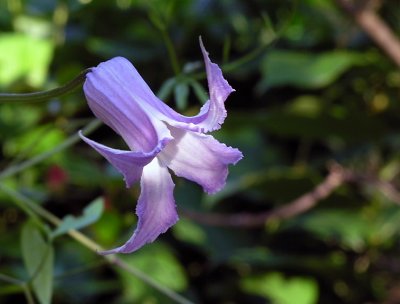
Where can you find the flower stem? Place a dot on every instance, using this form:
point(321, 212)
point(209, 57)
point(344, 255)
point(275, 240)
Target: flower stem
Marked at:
point(10, 280)
point(22, 284)
point(28, 294)
point(171, 51)
point(45, 95)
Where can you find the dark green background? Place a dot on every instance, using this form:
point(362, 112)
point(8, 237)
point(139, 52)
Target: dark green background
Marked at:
point(311, 88)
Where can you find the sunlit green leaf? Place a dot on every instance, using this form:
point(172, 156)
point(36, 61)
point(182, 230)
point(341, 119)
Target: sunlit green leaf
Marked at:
point(199, 91)
point(354, 230)
point(166, 88)
point(306, 106)
point(38, 258)
point(90, 215)
point(24, 57)
point(350, 229)
point(282, 290)
point(181, 93)
point(189, 231)
point(304, 70)
point(158, 262)
point(108, 228)
point(35, 141)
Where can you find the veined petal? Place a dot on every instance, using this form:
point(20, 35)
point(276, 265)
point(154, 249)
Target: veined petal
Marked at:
point(213, 113)
point(129, 163)
point(219, 89)
point(199, 158)
point(156, 208)
point(118, 96)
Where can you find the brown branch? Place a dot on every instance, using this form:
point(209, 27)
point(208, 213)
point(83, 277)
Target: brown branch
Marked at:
point(336, 177)
point(374, 26)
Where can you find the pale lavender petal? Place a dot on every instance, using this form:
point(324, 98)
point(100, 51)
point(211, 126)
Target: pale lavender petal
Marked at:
point(118, 96)
point(129, 163)
point(199, 158)
point(213, 113)
point(219, 90)
point(156, 208)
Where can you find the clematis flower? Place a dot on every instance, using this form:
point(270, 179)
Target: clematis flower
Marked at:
point(159, 139)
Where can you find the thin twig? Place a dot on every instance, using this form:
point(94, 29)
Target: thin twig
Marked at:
point(374, 26)
point(10, 280)
point(28, 294)
point(336, 177)
point(24, 285)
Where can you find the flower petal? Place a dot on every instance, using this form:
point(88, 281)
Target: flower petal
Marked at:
point(199, 158)
point(156, 208)
point(213, 113)
point(219, 90)
point(129, 163)
point(118, 96)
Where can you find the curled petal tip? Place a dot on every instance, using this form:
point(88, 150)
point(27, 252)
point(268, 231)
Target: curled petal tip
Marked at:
point(156, 208)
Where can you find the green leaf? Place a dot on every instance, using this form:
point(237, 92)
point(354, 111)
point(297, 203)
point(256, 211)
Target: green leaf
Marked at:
point(190, 232)
point(199, 91)
point(15, 121)
point(90, 215)
point(354, 230)
point(280, 290)
point(159, 263)
point(349, 228)
point(181, 92)
point(34, 141)
point(304, 70)
point(23, 56)
point(38, 257)
point(166, 88)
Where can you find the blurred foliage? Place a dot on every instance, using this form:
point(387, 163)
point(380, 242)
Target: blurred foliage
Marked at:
point(38, 257)
point(310, 88)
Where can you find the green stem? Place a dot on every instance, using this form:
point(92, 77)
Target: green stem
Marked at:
point(229, 67)
point(41, 157)
point(226, 49)
point(171, 51)
point(81, 269)
point(23, 285)
point(40, 266)
point(10, 280)
point(93, 246)
point(28, 294)
point(46, 95)
point(149, 281)
point(245, 59)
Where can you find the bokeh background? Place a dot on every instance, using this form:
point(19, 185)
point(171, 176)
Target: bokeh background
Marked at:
point(315, 96)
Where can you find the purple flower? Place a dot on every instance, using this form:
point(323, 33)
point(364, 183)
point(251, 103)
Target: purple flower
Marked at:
point(159, 139)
